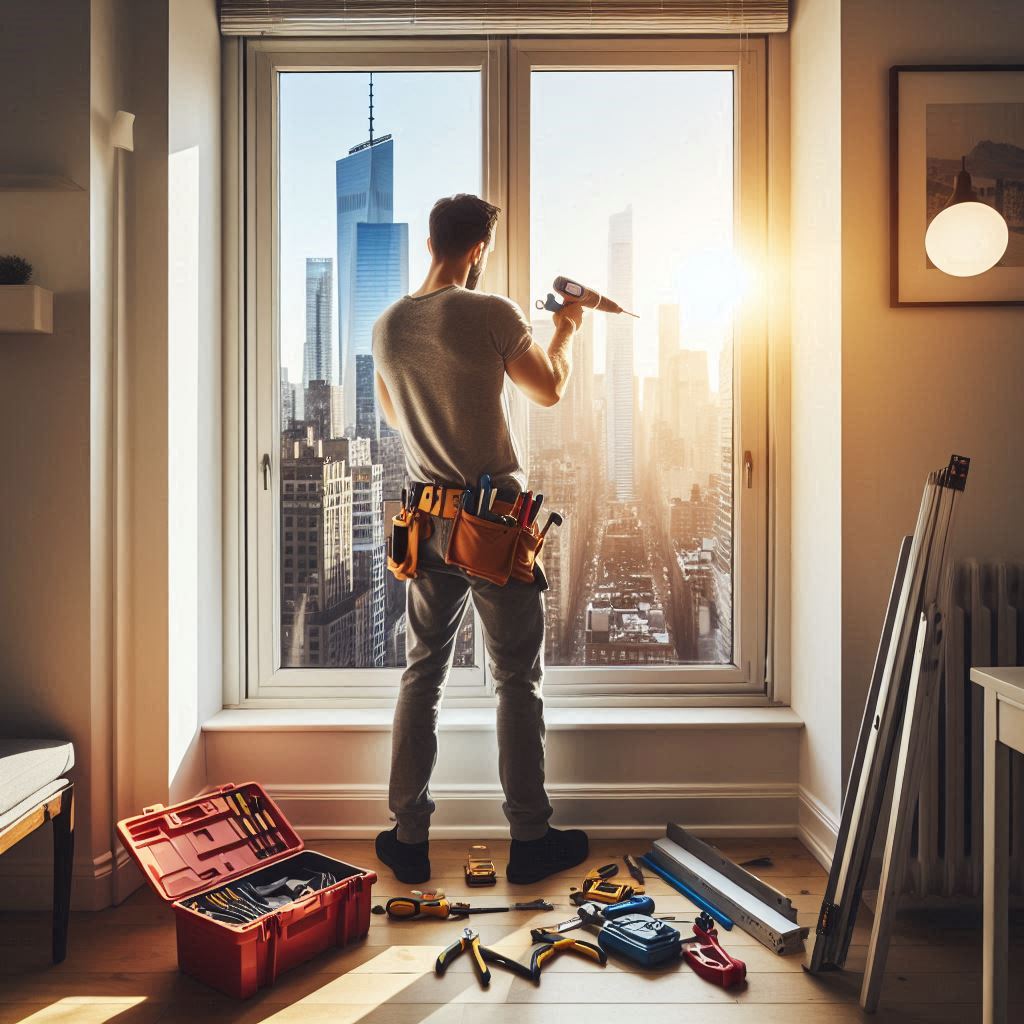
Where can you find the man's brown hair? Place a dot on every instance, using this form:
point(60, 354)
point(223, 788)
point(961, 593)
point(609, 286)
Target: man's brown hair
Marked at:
point(459, 222)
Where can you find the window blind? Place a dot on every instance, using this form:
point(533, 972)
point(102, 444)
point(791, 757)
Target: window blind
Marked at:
point(500, 17)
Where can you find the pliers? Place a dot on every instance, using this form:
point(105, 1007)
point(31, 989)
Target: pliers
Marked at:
point(554, 943)
point(481, 958)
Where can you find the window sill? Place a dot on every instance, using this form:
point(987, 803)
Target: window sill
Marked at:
point(480, 719)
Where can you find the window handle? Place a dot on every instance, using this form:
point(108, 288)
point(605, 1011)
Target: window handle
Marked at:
point(265, 463)
point(748, 469)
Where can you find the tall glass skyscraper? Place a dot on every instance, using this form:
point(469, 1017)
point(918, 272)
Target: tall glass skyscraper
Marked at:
point(619, 358)
point(373, 254)
point(380, 274)
point(317, 356)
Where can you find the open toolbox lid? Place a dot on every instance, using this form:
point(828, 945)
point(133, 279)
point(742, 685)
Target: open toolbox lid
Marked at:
point(202, 843)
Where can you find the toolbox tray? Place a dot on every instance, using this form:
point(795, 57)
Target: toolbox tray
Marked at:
point(644, 939)
point(198, 847)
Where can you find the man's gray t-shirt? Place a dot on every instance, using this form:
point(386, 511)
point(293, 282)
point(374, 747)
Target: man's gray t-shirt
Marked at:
point(442, 357)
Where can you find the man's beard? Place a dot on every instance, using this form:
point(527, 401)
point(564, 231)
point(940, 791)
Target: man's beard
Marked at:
point(475, 270)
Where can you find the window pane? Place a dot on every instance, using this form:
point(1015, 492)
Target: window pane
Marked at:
point(635, 200)
point(355, 195)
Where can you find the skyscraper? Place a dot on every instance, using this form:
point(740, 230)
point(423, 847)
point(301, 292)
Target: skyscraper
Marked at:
point(619, 358)
point(380, 274)
point(317, 605)
point(287, 401)
point(373, 254)
point(722, 487)
point(369, 556)
point(317, 354)
point(668, 346)
point(323, 407)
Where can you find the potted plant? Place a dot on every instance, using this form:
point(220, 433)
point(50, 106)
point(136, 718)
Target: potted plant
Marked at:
point(24, 308)
point(15, 270)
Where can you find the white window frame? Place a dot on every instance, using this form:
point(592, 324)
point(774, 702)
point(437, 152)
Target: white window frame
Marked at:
point(505, 68)
point(267, 680)
point(744, 680)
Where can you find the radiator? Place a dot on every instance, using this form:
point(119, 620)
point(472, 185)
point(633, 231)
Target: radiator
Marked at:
point(984, 625)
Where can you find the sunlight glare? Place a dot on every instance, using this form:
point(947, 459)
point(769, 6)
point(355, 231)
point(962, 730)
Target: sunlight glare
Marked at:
point(712, 284)
point(91, 1009)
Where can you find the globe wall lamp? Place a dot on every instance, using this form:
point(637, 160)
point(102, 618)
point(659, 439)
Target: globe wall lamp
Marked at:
point(967, 237)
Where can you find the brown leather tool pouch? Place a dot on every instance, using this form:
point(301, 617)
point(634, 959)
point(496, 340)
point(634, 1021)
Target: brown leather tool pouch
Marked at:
point(481, 547)
point(528, 545)
point(408, 529)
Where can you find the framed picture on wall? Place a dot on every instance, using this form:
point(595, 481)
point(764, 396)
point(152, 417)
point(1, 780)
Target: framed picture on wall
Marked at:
point(944, 119)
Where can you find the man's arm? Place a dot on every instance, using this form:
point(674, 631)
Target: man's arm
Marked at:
point(386, 405)
point(542, 376)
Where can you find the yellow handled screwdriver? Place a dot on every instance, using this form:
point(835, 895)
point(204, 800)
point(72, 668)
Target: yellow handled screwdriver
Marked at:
point(408, 908)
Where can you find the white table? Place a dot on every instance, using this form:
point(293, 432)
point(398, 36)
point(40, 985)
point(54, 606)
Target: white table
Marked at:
point(1004, 731)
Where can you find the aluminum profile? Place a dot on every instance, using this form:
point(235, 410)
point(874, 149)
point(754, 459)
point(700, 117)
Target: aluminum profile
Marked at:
point(753, 905)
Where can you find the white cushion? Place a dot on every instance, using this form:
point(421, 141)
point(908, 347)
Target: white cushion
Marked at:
point(30, 766)
point(31, 803)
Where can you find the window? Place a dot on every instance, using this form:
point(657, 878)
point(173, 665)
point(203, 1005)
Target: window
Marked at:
point(634, 166)
point(641, 569)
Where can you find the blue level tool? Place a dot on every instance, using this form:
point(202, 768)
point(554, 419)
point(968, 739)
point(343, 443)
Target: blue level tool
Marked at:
point(689, 893)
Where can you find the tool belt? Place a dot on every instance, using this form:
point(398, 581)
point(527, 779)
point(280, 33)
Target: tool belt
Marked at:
point(498, 543)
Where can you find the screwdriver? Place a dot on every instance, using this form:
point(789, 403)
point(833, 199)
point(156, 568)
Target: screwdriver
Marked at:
point(408, 908)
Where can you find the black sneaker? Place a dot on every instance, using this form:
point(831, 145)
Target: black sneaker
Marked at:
point(409, 861)
point(557, 851)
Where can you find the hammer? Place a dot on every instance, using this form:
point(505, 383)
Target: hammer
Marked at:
point(555, 518)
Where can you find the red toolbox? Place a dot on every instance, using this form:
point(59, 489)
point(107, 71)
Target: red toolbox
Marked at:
point(203, 853)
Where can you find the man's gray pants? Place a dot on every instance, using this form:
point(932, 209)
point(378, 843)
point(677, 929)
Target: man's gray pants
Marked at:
point(513, 623)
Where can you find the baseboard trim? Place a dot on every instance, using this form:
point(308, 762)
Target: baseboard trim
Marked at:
point(357, 792)
point(342, 811)
point(818, 830)
point(341, 833)
point(28, 882)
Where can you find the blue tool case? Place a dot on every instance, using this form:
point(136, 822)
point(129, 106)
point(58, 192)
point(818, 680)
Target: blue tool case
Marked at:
point(643, 939)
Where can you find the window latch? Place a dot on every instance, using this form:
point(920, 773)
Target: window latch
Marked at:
point(748, 469)
point(265, 463)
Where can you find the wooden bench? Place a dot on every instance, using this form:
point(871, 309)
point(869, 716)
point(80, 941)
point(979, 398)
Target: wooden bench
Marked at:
point(22, 813)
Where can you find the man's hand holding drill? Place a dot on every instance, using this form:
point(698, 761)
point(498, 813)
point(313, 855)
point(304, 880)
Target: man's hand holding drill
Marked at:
point(570, 315)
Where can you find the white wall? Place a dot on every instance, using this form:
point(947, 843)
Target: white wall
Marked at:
point(613, 772)
point(918, 384)
point(816, 400)
point(194, 360)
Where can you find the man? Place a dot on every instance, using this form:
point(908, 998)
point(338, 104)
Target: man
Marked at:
point(441, 356)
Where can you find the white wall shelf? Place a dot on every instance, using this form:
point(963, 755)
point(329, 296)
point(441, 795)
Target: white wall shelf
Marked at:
point(25, 309)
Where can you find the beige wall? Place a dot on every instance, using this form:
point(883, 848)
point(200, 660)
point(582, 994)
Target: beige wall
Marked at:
point(65, 68)
point(816, 400)
point(917, 384)
point(47, 686)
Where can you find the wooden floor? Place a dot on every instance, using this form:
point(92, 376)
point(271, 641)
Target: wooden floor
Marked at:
point(121, 965)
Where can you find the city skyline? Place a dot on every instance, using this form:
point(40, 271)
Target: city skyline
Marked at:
point(684, 249)
point(640, 571)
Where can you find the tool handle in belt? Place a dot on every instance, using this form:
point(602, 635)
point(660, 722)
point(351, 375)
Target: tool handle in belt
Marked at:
point(407, 908)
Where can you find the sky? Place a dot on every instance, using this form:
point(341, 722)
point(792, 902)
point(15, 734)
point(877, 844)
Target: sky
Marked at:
point(659, 140)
